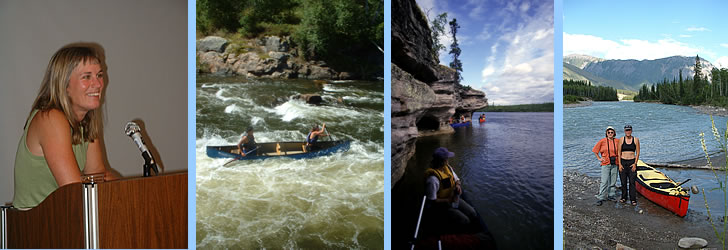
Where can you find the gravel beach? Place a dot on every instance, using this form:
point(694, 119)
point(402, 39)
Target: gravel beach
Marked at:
point(711, 110)
point(588, 226)
point(580, 104)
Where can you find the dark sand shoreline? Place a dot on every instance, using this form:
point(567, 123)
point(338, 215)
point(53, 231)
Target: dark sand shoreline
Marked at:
point(587, 226)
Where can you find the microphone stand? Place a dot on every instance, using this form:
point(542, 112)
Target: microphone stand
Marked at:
point(149, 165)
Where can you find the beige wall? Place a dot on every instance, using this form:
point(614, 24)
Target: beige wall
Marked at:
point(146, 54)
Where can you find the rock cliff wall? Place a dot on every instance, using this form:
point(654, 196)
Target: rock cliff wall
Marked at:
point(424, 94)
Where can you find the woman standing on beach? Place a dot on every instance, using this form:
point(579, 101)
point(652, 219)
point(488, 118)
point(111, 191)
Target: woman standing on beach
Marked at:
point(606, 152)
point(61, 139)
point(629, 153)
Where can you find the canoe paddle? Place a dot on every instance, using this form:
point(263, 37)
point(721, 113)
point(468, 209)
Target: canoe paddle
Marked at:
point(417, 229)
point(679, 184)
point(238, 158)
point(329, 135)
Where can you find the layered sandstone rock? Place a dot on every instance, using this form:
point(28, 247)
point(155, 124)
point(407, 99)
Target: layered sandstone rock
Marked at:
point(424, 94)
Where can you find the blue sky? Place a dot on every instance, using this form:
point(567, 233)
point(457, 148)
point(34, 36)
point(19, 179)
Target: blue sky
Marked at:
point(647, 29)
point(507, 47)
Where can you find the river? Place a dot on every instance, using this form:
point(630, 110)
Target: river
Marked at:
point(667, 134)
point(506, 166)
point(334, 201)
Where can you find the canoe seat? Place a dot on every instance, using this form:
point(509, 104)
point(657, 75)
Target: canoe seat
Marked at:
point(662, 185)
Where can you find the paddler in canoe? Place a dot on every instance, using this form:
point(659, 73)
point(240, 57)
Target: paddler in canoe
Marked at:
point(628, 150)
point(247, 142)
point(462, 119)
point(314, 135)
point(443, 190)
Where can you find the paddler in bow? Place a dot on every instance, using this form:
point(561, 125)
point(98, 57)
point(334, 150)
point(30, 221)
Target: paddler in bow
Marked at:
point(443, 190)
point(247, 142)
point(314, 135)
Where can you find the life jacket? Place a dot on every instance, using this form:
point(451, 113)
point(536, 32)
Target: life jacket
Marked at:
point(447, 181)
point(251, 142)
point(309, 140)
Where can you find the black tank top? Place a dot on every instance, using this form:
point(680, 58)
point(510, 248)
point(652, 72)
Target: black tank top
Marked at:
point(628, 147)
point(251, 142)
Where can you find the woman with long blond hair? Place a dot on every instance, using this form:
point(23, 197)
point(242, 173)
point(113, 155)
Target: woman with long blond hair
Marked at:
point(61, 137)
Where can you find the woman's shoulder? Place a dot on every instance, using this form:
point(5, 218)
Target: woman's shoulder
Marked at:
point(50, 119)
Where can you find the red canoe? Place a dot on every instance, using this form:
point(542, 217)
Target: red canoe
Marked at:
point(481, 120)
point(660, 189)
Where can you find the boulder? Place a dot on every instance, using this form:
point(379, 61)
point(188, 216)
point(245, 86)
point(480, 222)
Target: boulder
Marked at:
point(215, 62)
point(345, 76)
point(692, 242)
point(212, 43)
point(623, 247)
point(314, 99)
point(318, 72)
point(276, 44)
point(280, 58)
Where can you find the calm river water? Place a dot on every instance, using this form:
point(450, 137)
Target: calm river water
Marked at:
point(329, 202)
point(667, 133)
point(506, 165)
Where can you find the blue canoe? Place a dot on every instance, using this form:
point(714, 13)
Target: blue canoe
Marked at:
point(267, 150)
point(463, 124)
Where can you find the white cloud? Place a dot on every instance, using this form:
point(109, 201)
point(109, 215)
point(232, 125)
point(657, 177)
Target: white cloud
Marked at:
point(488, 71)
point(724, 45)
point(628, 48)
point(522, 70)
point(722, 62)
point(524, 6)
point(691, 29)
point(686, 36)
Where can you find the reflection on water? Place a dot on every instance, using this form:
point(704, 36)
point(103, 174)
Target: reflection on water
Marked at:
point(506, 165)
point(335, 201)
point(667, 133)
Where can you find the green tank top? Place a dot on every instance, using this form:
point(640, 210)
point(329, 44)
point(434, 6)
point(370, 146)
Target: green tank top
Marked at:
point(33, 178)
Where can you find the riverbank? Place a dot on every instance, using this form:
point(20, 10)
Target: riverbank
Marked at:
point(588, 226)
point(580, 104)
point(277, 58)
point(711, 110)
point(538, 107)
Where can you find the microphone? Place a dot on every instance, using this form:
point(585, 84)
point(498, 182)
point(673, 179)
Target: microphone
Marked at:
point(133, 130)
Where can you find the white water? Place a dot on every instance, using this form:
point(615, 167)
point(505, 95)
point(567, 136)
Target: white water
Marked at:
point(334, 201)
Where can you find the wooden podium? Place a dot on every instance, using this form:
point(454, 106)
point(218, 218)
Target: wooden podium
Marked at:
point(138, 212)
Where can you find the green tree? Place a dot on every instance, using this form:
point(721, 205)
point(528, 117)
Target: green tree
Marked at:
point(438, 29)
point(455, 51)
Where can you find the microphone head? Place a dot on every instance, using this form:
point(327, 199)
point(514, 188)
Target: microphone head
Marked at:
point(131, 128)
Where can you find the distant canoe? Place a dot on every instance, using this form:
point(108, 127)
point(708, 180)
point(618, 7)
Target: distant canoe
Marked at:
point(267, 150)
point(462, 124)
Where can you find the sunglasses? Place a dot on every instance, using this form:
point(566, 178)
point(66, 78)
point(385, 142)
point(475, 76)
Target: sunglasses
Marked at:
point(610, 132)
point(627, 130)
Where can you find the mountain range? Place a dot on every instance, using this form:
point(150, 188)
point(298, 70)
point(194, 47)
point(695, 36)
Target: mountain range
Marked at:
point(630, 74)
